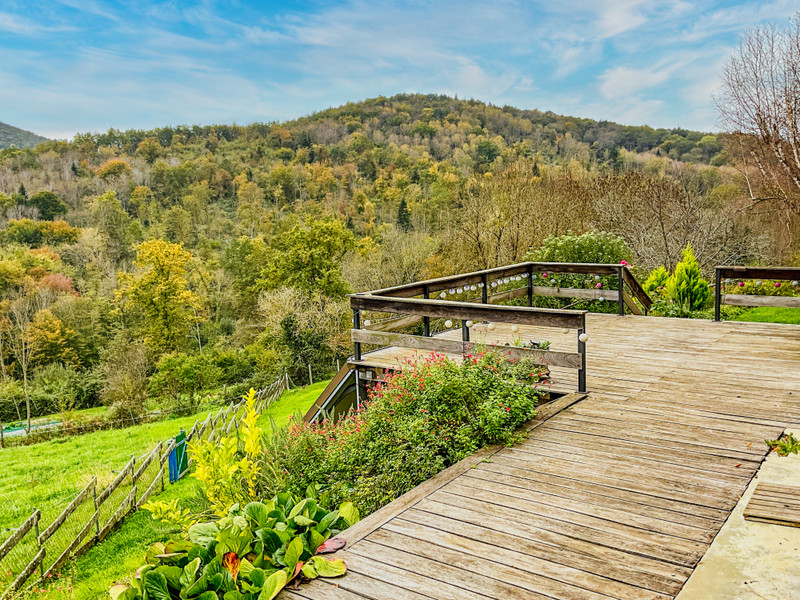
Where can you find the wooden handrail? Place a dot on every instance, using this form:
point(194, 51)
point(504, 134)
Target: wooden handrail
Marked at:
point(743, 272)
point(523, 315)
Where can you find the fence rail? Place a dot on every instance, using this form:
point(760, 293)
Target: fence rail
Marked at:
point(725, 273)
point(93, 514)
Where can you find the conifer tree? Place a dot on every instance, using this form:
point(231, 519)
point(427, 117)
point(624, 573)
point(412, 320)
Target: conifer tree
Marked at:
point(403, 216)
point(686, 286)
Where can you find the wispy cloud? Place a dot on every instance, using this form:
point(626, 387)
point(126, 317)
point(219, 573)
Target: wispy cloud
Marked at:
point(76, 65)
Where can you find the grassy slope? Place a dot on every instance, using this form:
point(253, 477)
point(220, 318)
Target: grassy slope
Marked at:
point(123, 552)
point(48, 474)
point(769, 314)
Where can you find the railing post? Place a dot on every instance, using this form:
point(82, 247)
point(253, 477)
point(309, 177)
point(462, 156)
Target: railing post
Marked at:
point(464, 332)
point(485, 289)
point(530, 285)
point(582, 370)
point(356, 325)
point(717, 292)
point(38, 544)
point(620, 292)
point(426, 321)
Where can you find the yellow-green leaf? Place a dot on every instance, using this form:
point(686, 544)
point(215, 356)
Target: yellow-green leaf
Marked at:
point(273, 585)
point(328, 568)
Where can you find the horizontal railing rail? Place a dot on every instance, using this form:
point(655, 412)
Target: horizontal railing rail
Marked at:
point(529, 270)
point(724, 273)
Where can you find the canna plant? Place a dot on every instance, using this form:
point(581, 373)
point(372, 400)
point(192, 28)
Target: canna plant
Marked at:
point(250, 554)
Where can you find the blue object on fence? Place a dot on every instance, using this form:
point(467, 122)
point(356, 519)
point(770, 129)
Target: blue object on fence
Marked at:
point(178, 461)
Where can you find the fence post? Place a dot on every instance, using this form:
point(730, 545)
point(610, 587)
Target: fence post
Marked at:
point(464, 334)
point(530, 285)
point(133, 479)
point(620, 293)
point(426, 320)
point(485, 288)
point(2, 441)
point(582, 370)
point(717, 293)
point(310, 375)
point(38, 544)
point(96, 510)
point(356, 325)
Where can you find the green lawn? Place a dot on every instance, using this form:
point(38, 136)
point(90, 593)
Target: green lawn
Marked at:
point(770, 314)
point(53, 471)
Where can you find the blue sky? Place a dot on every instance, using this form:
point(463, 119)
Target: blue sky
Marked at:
point(71, 66)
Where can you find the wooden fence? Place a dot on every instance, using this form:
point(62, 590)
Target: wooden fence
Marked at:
point(724, 274)
point(94, 512)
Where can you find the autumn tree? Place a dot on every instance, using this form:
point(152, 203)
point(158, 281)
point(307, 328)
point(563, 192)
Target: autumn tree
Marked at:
point(158, 289)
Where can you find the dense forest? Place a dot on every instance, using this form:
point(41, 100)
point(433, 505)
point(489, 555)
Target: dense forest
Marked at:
point(14, 136)
point(138, 268)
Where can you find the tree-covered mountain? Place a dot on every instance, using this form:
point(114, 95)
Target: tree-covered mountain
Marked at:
point(14, 136)
point(152, 264)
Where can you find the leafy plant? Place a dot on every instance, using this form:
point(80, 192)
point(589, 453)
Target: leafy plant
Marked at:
point(686, 286)
point(657, 281)
point(251, 553)
point(229, 466)
point(423, 419)
point(785, 445)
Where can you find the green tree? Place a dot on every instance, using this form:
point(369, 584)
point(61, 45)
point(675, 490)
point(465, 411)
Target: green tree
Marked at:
point(308, 257)
point(657, 279)
point(48, 204)
point(149, 149)
point(159, 290)
point(403, 216)
point(686, 286)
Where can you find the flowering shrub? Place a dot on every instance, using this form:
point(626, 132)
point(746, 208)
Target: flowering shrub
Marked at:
point(765, 287)
point(421, 420)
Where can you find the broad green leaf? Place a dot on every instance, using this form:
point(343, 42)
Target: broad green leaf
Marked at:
point(273, 585)
point(189, 574)
point(315, 540)
point(258, 577)
point(272, 541)
point(327, 521)
point(130, 594)
point(293, 552)
point(258, 513)
point(350, 513)
point(302, 521)
point(155, 584)
point(245, 567)
point(203, 533)
point(172, 574)
point(209, 595)
point(297, 508)
point(153, 552)
point(328, 568)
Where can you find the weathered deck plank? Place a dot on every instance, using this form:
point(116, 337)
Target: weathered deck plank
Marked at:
point(617, 496)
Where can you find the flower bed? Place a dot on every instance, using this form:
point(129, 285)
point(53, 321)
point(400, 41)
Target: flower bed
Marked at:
point(421, 420)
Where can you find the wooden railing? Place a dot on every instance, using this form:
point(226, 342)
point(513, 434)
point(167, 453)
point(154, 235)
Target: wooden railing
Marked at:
point(725, 273)
point(531, 271)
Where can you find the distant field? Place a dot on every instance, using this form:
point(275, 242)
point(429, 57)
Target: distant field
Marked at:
point(769, 314)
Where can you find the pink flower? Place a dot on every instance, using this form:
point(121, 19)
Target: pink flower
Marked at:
point(624, 263)
point(777, 284)
point(741, 284)
point(544, 274)
point(599, 285)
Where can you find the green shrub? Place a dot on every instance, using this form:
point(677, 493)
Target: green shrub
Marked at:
point(423, 419)
point(656, 282)
point(589, 247)
point(762, 287)
point(180, 374)
point(686, 286)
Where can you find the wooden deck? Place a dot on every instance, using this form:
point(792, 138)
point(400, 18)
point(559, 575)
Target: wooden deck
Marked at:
point(617, 496)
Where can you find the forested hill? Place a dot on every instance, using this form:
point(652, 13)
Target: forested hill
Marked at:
point(14, 136)
point(447, 126)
